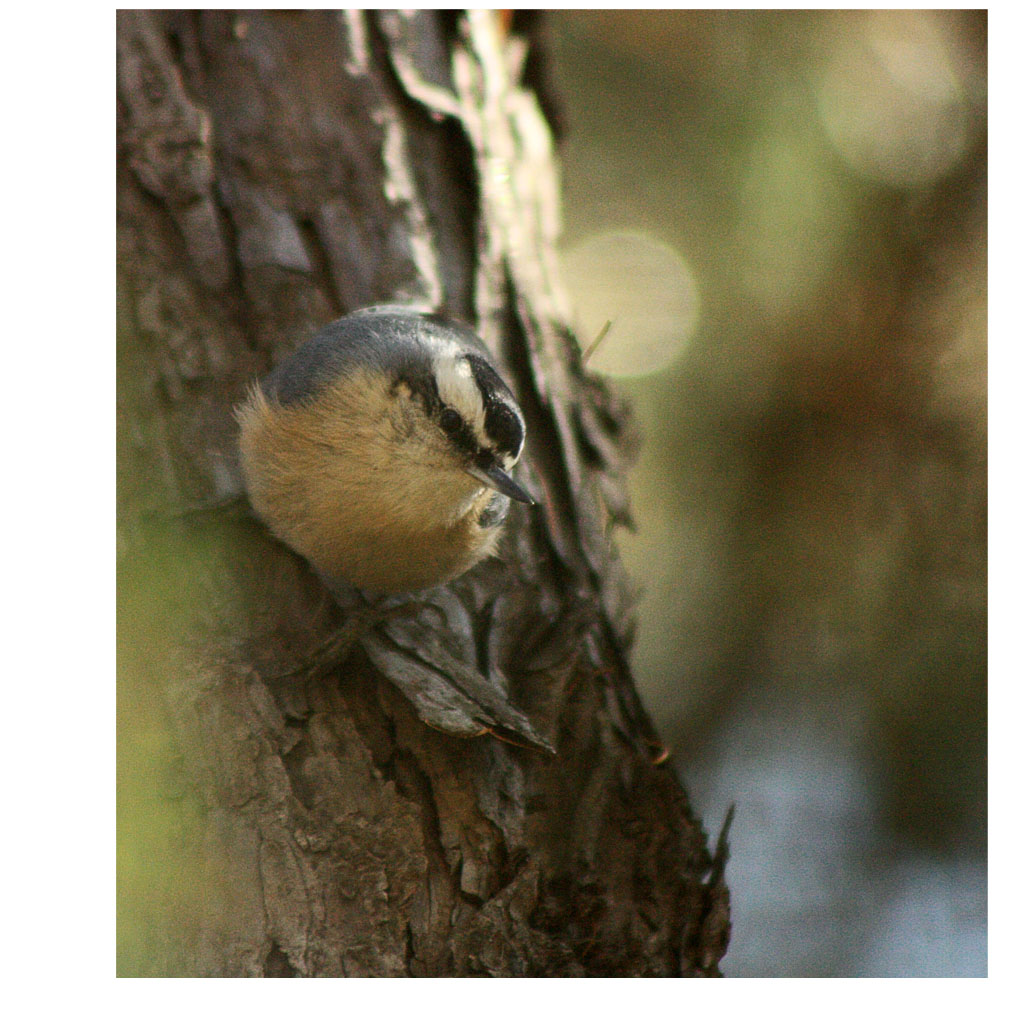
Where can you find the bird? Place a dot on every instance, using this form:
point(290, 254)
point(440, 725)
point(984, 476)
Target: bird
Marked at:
point(381, 450)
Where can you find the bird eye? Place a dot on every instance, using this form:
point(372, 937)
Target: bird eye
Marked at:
point(451, 421)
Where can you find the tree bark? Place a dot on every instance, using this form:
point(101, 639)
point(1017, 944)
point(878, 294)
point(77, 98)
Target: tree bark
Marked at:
point(275, 171)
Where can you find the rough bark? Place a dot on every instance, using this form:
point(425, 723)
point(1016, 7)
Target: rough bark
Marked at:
point(276, 170)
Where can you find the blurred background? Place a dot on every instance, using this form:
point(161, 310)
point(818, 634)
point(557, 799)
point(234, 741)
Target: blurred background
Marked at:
point(784, 214)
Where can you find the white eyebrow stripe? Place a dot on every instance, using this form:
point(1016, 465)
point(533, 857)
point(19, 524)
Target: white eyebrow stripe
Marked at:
point(457, 388)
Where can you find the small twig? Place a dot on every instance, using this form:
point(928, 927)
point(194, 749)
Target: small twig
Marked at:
point(721, 854)
point(601, 335)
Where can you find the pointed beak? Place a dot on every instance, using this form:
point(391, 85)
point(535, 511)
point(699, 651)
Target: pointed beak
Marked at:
point(498, 480)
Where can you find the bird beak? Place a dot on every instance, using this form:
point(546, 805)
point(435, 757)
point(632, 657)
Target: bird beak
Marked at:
point(498, 480)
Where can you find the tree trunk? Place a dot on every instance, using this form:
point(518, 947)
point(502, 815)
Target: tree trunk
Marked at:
point(275, 171)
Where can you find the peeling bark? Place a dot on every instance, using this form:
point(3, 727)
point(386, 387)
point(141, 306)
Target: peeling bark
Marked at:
point(276, 170)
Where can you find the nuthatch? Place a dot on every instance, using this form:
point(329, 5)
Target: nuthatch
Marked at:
point(380, 451)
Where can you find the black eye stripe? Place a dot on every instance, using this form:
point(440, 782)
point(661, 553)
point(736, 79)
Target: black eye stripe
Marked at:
point(457, 429)
point(502, 425)
point(451, 421)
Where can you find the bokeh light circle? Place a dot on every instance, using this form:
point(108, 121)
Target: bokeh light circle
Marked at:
point(892, 103)
point(647, 291)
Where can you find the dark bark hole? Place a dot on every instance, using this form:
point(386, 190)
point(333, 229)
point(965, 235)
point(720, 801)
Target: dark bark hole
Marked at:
point(277, 964)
